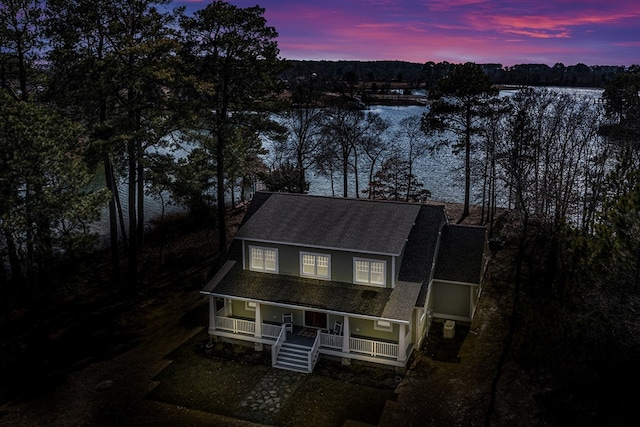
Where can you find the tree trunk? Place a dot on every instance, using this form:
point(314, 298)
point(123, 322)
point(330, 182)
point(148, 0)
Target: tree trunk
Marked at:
point(133, 221)
point(140, 185)
point(467, 175)
point(345, 175)
point(113, 223)
point(222, 226)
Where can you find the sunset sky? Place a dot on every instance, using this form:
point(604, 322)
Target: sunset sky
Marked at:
point(509, 32)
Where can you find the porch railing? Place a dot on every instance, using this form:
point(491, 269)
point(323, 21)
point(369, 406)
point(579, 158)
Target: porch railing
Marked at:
point(275, 348)
point(331, 340)
point(357, 345)
point(373, 348)
point(314, 353)
point(271, 331)
point(237, 326)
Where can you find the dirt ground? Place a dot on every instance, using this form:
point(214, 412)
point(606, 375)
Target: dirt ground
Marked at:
point(440, 388)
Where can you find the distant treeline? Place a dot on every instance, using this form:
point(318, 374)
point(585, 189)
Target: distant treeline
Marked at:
point(416, 75)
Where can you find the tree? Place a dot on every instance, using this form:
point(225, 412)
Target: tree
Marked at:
point(457, 107)
point(416, 144)
point(20, 42)
point(622, 102)
point(346, 129)
point(285, 177)
point(115, 61)
point(233, 60)
point(393, 182)
point(46, 204)
point(302, 119)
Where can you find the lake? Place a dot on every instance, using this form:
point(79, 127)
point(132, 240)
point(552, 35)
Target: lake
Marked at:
point(440, 172)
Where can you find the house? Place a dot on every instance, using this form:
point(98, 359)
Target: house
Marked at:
point(355, 279)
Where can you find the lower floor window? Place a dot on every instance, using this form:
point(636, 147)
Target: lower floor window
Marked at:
point(383, 325)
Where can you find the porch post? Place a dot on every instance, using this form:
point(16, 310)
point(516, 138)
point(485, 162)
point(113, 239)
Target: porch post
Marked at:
point(258, 332)
point(345, 334)
point(402, 346)
point(212, 313)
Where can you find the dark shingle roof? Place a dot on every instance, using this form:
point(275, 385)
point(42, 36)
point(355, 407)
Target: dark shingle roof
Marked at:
point(232, 281)
point(461, 253)
point(421, 245)
point(329, 222)
point(420, 252)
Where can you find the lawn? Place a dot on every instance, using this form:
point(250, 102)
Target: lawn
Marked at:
point(218, 379)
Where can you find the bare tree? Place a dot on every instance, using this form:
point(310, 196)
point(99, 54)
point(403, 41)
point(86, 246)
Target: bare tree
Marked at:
point(416, 147)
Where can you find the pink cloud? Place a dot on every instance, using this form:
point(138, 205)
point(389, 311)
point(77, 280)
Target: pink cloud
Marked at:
point(505, 31)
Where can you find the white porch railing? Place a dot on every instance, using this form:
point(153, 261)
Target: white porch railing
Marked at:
point(237, 326)
point(360, 345)
point(314, 353)
point(331, 340)
point(373, 348)
point(356, 345)
point(275, 348)
point(271, 331)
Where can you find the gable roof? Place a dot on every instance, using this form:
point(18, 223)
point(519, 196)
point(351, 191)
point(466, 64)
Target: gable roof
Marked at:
point(461, 254)
point(358, 225)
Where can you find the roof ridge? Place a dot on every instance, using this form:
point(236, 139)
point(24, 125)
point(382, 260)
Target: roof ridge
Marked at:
point(351, 199)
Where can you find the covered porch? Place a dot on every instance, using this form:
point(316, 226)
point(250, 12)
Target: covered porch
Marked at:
point(336, 334)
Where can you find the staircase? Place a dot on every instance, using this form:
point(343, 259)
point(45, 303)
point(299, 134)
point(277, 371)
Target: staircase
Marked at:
point(293, 357)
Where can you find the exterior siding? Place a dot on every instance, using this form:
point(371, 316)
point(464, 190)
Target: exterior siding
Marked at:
point(238, 309)
point(451, 298)
point(364, 328)
point(341, 262)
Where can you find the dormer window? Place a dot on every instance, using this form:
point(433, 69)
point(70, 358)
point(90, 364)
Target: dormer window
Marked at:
point(368, 271)
point(264, 259)
point(315, 265)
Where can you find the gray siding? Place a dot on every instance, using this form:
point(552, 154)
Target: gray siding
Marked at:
point(451, 299)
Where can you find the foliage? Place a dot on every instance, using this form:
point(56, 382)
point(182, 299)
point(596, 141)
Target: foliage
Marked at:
point(284, 178)
point(394, 182)
point(302, 120)
point(20, 45)
point(231, 58)
point(348, 132)
point(458, 107)
point(46, 202)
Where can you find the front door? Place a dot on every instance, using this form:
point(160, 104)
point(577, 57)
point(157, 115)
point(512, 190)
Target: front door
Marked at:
point(315, 319)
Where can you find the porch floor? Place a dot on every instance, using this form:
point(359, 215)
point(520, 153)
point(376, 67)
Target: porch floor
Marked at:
point(302, 336)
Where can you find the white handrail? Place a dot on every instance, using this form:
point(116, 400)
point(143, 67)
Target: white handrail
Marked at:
point(275, 348)
point(314, 353)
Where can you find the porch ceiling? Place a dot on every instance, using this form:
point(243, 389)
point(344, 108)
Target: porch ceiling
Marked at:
point(395, 304)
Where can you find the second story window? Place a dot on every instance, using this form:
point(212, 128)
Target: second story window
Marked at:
point(315, 265)
point(264, 259)
point(369, 272)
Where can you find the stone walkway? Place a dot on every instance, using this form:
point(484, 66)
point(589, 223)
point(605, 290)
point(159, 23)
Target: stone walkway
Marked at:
point(272, 391)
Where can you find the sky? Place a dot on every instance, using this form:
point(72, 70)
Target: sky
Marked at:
point(508, 32)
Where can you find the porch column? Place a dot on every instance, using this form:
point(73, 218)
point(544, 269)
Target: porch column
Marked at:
point(402, 346)
point(258, 332)
point(345, 334)
point(212, 313)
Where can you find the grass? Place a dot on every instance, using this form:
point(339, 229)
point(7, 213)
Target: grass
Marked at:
point(217, 379)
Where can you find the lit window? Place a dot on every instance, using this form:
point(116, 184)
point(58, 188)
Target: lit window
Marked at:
point(263, 259)
point(315, 265)
point(383, 325)
point(369, 272)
